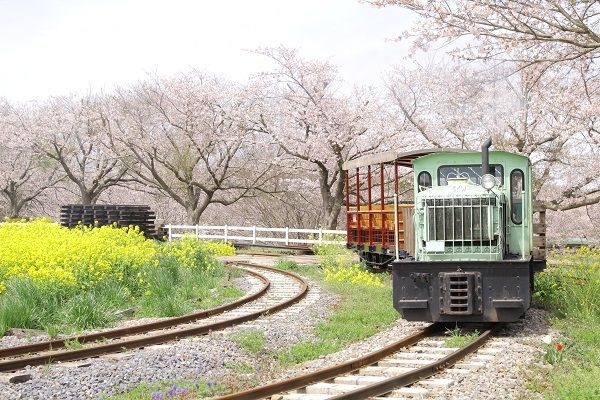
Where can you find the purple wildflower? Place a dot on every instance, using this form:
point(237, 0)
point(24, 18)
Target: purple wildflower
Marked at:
point(157, 395)
point(172, 391)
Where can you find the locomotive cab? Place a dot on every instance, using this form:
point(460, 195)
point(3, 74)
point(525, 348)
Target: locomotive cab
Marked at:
point(472, 256)
point(473, 245)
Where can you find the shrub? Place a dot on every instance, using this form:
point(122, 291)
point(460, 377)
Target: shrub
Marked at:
point(52, 277)
point(340, 265)
point(571, 287)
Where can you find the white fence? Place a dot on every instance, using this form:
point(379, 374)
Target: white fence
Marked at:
point(257, 235)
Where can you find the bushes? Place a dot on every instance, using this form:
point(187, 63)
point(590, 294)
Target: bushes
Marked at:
point(572, 286)
point(61, 279)
point(72, 260)
point(340, 265)
point(570, 289)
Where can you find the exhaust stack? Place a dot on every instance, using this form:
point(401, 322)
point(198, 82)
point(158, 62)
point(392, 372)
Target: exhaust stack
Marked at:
point(485, 156)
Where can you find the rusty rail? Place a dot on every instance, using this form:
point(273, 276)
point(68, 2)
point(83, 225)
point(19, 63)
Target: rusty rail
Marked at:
point(94, 351)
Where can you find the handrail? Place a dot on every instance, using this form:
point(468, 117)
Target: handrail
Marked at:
point(252, 234)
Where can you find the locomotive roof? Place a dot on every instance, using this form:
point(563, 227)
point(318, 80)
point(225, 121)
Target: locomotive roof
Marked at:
point(402, 158)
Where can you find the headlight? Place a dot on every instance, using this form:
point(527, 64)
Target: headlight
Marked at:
point(488, 181)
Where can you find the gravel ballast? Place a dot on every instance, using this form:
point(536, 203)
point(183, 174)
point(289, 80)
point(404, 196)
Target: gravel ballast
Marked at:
point(206, 358)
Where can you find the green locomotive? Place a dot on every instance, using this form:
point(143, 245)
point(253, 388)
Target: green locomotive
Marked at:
point(467, 247)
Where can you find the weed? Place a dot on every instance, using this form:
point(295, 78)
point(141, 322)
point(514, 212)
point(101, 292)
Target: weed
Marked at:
point(180, 389)
point(240, 367)
point(73, 344)
point(305, 351)
point(288, 265)
point(252, 341)
point(554, 352)
point(570, 289)
point(459, 338)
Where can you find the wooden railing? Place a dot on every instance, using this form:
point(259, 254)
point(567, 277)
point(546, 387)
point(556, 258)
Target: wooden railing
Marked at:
point(257, 235)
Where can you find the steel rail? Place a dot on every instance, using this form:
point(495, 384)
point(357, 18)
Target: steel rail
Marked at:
point(331, 372)
point(78, 354)
point(411, 377)
point(151, 326)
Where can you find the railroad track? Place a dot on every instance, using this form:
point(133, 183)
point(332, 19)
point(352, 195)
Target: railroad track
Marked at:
point(385, 373)
point(272, 290)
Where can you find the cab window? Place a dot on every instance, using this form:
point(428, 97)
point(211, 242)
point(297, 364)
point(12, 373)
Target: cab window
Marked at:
point(470, 173)
point(424, 180)
point(516, 196)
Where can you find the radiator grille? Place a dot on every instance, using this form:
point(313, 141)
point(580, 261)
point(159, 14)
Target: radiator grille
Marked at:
point(460, 219)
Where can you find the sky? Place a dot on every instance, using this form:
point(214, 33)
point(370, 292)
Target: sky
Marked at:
point(52, 47)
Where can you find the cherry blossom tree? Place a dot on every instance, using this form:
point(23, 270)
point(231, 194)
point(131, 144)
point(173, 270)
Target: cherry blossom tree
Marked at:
point(73, 131)
point(538, 112)
point(296, 203)
point(444, 105)
point(544, 57)
point(316, 124)
point(188, 137)
point(525, 31)
point(25, 175)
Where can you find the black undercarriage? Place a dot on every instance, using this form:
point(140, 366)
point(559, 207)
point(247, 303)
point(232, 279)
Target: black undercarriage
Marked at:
point(462, 291)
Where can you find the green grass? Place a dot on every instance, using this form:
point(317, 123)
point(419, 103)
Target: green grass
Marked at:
point(73, 344)
point(252, 341)
point(240, 367)
point(178, 284)
point(362, 311)
point(570, 290)
point(288, 265)
point(176, 390)
point(458, 338)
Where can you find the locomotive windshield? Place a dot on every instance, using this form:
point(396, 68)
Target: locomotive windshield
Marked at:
point(472, 173)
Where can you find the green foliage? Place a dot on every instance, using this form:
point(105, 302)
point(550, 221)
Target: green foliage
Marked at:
point(73, 344)
point(252, 341)
point(554, 352)
point(87, 311)
point(340, 265)
point(240, 367)
point(576, 382)
point(570, 289)
point(306, 351)
point(459, 338)
point(288, 265)
point(572, 286)
point(364, 309)
point(27, 305)
point(176, 390)
point(326, 248)
point(65, 280)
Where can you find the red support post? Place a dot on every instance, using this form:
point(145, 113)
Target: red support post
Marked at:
point(382, 182)
point(348, 216)
point(369, 185)
point(396, 237)
point(358, 233)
